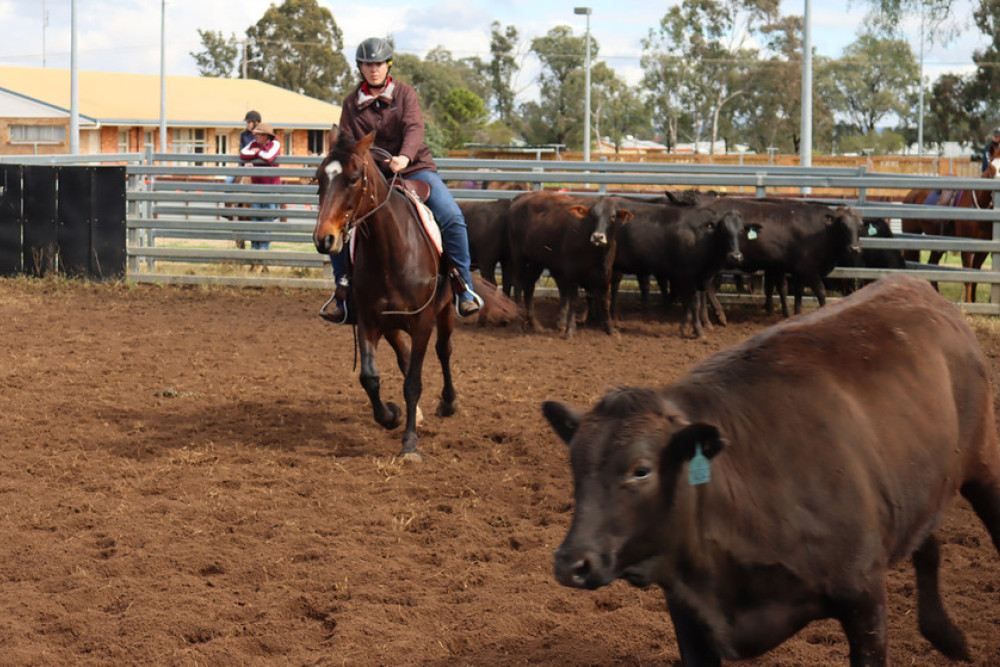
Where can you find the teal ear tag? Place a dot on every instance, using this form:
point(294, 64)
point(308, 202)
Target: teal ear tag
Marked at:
point(872, 231)
point(699, 469)
point(751, 233)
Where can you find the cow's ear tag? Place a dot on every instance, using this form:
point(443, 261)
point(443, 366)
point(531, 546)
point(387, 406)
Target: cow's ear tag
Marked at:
point(872, 231)
point(699, 469)
point(751, 234)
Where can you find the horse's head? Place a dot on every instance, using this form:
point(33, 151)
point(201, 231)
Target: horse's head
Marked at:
point(346, 188)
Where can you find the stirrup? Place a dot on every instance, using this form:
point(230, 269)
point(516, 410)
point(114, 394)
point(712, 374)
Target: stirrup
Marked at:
point(475, 298)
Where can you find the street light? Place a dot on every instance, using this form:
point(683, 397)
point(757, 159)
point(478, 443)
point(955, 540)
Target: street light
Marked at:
point(586, 95)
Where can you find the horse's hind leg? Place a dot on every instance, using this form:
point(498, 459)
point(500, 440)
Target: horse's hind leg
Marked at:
point(932, 618)
point(445, 326)
point(386, 414)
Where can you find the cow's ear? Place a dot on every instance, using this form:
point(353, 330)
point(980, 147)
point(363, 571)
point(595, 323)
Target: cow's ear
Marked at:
point(579, 211)
point(563, 418)
point(624, 216)
point(682, 445)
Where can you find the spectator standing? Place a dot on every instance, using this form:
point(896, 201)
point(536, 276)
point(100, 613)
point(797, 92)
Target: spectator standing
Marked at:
point(262, 152)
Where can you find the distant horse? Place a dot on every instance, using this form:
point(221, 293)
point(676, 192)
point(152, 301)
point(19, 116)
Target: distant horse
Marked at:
point(399, 282)
point(963, 228)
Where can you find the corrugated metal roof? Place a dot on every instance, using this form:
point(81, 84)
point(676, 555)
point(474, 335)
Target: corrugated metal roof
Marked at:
point(134, 99)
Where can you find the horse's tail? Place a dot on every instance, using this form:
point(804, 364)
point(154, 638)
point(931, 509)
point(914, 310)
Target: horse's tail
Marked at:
point(498, 308)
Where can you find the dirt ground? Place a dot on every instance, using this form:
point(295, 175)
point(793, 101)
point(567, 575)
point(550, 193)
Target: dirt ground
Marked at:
point(192, 476)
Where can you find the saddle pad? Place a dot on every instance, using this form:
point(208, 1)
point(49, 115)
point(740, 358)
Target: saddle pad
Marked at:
point(426, 219)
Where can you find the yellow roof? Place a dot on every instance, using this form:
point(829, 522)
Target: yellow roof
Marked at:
point(111, 98)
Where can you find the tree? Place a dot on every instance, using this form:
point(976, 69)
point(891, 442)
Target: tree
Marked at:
point(221, 57)
point(298, 46)
point(618, 109)
point(876, 77)
point(502, 69)
point(706, 44)
point(436, 76)
point(982, 94)
point(463, 113)
point(557, 115)
point(949, 117)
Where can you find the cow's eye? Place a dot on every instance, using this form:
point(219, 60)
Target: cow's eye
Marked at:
point(710, 226)
point(641, 472)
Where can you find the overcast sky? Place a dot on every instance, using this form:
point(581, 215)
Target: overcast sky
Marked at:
point(124, 35)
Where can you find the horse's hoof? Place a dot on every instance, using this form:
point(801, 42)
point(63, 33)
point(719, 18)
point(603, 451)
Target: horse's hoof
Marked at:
point(446, 409)
point(395, 416)
point(413, 456)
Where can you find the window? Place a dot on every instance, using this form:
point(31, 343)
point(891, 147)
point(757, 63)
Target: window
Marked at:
point(188, 140)
point(37, 134)
point(148, 139)
point(221, 144)
point(123, 141)
point(317, 142)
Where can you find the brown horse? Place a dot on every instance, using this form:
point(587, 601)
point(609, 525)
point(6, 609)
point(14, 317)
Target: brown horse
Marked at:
point(962, 228)
point(399, 280)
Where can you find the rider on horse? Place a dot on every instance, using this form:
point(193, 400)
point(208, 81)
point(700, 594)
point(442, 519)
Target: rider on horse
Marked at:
point(391, 108)
point(992, 149)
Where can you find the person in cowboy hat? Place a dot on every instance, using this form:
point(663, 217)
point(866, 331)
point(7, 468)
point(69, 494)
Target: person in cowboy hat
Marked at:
point(262, 152)
point(392, 109)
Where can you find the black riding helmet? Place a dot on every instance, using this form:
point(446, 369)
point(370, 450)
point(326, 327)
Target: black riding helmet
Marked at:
point(252, 116)
point(374, 50)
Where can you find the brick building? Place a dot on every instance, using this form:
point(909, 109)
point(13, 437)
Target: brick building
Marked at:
point(120, 113)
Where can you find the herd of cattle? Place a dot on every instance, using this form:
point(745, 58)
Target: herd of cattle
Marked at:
point(684, 241)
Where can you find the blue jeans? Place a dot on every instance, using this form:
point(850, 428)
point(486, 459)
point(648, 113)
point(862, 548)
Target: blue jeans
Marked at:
point(454, 234)
point(262, 245)
point(450, 220)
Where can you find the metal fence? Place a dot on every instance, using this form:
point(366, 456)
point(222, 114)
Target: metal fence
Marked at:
point(184, 219)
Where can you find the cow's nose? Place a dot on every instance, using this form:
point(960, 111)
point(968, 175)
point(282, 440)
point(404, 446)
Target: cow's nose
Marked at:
point(736, 257)
point(577, 569)
point(855, 249)
point(599, 239)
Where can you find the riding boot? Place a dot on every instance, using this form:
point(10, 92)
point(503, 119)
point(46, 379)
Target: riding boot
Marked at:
point(339, 314)
point(456, 245)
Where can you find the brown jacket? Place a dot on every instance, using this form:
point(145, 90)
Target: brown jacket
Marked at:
point(396, 116)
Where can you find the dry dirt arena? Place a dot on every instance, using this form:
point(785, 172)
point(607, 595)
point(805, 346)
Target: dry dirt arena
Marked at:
point(191, 476)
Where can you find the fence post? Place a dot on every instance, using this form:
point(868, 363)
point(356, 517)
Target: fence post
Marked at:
point(603, 187)
point(995, 256)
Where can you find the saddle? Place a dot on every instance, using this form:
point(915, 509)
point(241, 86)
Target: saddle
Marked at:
point(417, 189)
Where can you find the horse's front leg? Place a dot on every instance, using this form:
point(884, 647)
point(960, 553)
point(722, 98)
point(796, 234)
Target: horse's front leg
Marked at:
point(386, 414)
point(412, 388)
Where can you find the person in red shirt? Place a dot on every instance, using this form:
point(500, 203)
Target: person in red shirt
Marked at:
point(262, 152)
point(392, 110)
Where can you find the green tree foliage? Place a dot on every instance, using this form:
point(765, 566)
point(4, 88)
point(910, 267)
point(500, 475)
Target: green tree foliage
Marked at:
point(221, 58)
point(617, 108)
point(558, 116)
point(463, 113)
point(949, 114)
point(982, 92)
point(701, 51)
point(876, 77)
point(297, 46)
point(502, 69)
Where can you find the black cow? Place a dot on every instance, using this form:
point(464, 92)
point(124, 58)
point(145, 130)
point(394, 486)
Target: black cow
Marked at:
point(488, 244)
point(870, 258)
point(683, 245)
point(572, 237)
point(779, 480)
point(799, 239)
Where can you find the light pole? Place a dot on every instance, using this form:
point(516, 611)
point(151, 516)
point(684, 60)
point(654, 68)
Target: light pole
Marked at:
point(586, 93)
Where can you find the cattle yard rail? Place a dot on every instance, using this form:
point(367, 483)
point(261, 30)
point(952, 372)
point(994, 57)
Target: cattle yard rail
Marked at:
point(186, 223)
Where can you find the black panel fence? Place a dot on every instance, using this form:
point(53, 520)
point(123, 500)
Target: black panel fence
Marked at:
point(62, 219)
